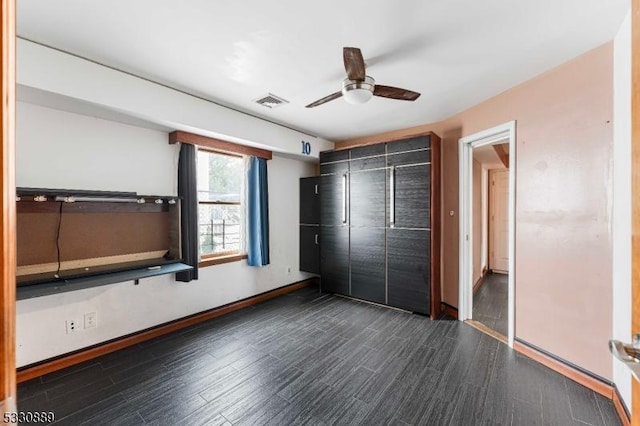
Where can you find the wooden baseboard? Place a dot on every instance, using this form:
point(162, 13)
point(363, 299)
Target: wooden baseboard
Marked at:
point(621, 407)
point(449, 310)
point(36, 370)
point(573, 372)
point(479, 283)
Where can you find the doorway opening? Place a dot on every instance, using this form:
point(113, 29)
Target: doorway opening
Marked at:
point(487, 237)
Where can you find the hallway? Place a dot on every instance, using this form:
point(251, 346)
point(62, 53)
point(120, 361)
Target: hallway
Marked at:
point(490, 303)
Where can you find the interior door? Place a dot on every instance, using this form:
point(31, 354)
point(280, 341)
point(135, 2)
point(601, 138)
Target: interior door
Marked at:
point(499, 221)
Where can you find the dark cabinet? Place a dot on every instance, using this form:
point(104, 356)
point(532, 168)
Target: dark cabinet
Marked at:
point(334, 205)
point(334, 259)
point(367, 194)
point(310, 201)
point(409, 269)
point(310, 249)
point(310, 224)
point(368, 264)
point(379, 223)
point(411, 193)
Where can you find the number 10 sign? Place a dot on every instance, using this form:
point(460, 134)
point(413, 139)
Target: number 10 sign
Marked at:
point(306, 148)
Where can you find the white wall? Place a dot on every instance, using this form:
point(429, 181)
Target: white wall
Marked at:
point(75, 83)
point(57, 149)
point(62, 149)
point(622, 201)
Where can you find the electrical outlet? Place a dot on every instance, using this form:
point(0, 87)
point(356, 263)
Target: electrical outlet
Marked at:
point(90, 320)
point(72, 326)
point(288, 269)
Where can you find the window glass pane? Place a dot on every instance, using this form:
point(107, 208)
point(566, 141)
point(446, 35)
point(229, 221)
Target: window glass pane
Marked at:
point(220, 228)
point(219, 177)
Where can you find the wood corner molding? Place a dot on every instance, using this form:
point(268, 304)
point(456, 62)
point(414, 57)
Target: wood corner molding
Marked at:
point(180, 136)
point(565, 368)
point(449, 310)
point(621, 407)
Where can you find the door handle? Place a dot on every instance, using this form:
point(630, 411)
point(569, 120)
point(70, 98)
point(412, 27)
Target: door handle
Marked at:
point(628, 354)
point(392, 197)
point(316, 239)
point(344, 198)
point(316, 189)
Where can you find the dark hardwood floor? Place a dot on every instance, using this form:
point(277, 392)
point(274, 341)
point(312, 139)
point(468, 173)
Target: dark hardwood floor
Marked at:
point(306, 358)
point(490, 303)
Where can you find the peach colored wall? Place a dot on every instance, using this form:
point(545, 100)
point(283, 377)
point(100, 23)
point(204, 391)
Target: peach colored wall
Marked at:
point(563, 204)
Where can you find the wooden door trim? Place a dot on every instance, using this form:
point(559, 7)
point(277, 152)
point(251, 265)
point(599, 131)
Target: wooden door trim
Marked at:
point(635, 192)
point(8, 213)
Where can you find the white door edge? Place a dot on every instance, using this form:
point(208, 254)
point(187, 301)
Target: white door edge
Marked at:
point(465, 265)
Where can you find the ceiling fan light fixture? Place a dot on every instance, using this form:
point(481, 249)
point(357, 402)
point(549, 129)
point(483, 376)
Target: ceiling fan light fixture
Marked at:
point(358, 92)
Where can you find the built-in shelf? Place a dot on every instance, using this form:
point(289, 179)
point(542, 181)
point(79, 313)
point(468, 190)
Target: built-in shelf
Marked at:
point(71, 239)
point(46, 288)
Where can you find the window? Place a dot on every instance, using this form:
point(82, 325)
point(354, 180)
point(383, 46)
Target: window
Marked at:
point(221, 213)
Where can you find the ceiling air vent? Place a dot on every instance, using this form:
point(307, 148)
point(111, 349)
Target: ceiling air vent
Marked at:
point(271, 101)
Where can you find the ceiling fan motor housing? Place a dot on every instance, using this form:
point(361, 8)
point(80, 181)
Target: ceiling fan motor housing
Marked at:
point(356, 91)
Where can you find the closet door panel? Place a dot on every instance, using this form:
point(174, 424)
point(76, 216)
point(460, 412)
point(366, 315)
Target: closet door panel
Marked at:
point(412, 144)
point(367, 196)
point(334, 200)
point(409, 269)
point(310, 200)
point(412, 196)
point(334, 259)
point(368, 157)
point(368, 264)
point(310, 249)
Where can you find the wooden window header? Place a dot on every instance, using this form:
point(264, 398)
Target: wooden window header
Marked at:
point(217, 144)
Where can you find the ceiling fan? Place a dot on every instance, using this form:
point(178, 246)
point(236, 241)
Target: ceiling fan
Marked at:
point(358, 87)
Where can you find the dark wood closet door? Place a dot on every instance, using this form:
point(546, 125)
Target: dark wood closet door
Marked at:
point(310, 200)
point(334, 199)
point(409, 269)
point(310, 249)
point(412, 196)
point(367, 196)
point(368, 264)
point(334, 259)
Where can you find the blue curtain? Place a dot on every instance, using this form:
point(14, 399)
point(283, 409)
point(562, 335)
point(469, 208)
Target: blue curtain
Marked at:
point(258, 213)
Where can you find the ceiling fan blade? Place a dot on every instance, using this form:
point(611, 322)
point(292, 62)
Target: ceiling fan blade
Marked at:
point(395, 93)
point(353, 63)
point(325, 99)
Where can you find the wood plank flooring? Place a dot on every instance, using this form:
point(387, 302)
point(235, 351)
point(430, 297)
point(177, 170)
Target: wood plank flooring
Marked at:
point(490, 303)
point(307, 358)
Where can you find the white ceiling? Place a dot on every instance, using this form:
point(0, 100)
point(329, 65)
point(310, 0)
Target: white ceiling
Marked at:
point(455, 52)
